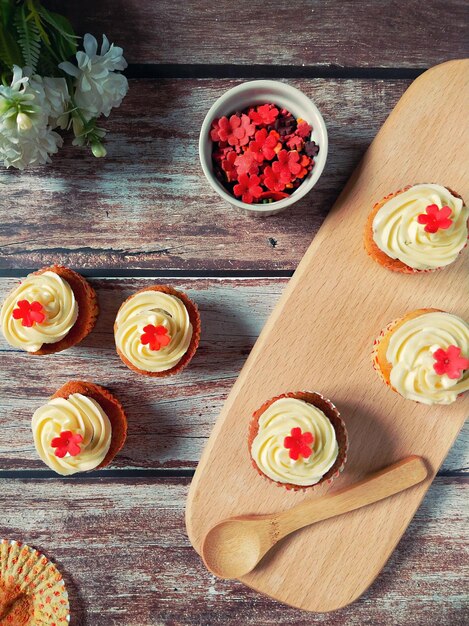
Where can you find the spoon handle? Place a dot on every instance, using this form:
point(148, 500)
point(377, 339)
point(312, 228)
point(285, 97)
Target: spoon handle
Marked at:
point(387, 482)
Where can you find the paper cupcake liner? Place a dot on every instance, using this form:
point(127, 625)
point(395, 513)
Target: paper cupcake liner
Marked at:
point(381, 257)
point(196, 330)
point(110, 405)
point(88, 310)
point(32, 590)
point(331, 412)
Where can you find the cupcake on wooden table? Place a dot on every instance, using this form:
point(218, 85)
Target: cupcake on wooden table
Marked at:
point(157, 331)
point(298, 440)
point(418, 229)
point(49, 311)
point(424, 356)
point(81, 428)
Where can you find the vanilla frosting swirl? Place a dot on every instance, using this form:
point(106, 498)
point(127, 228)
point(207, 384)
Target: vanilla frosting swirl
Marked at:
point(398, 234)
point(273, 458)
point(159, 309)
point(59, 306)
point(410, 353)
point(80, 415)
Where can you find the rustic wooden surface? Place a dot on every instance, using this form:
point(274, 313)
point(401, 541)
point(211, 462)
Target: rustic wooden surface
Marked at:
point(120, 539)
point(148, 205)
point(324, 33)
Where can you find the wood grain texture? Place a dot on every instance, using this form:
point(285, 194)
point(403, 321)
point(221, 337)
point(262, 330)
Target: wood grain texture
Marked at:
point(170, 426)
point(380, 33)
point(148, 205)
point(319, 338)
point(126, 560)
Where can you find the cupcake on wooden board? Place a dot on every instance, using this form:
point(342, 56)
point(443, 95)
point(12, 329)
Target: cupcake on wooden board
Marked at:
point(81, 428)
point(298, 440)
point(32, 590)
point(424, 356)
point(157, 331)
point(49, 311)
point(418, 229)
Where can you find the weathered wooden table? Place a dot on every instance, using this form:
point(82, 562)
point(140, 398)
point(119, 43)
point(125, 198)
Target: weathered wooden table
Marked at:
point(146, 213)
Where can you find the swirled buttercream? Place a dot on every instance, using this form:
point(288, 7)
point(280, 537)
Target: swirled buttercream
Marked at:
point(157, 309)
point(411, 351)
point(397, 232)
point(80, 415)
point(59, 306)
point(272, 457)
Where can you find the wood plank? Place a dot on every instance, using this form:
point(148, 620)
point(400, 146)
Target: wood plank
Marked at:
point(148, 205)
point(170, 427)
point(320, 334)
point(304, 32)
point(126, 560)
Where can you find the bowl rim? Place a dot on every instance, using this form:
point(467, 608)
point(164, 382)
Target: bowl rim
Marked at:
point(205, 155)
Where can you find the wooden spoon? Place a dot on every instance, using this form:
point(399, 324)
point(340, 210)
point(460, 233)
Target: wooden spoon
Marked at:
point(233, 547)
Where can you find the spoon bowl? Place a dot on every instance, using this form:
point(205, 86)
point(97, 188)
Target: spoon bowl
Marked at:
point(242, 548)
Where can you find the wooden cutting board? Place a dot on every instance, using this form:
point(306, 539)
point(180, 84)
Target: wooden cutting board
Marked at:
point(320, 337)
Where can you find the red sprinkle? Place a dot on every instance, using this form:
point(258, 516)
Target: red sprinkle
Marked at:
point(155, 336)
point(435, 218)
point(67, 442)
point(30, 313)
point(450, 362)
point(299, 444)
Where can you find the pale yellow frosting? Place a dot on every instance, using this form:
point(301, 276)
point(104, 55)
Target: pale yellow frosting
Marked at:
point(80, 415)
point(159, 309)
point(59, 306)
point(410, 352)
point(272, 457)
point(398, 234)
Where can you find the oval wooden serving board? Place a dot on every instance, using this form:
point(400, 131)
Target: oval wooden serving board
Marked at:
point(320, 337)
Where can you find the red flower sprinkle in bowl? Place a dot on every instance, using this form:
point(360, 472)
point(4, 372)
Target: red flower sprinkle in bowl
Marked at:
point(263, 146)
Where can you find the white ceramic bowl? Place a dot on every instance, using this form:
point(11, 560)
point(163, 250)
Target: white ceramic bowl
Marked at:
point(261, 92)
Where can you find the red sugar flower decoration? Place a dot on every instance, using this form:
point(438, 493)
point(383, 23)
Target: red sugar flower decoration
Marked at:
point(435, 218)
point(67, 442)
point(248, 188)
point(155, 336)
point(299, 444)
point(228, 166)
point(303, 129)
point(287, 167)
point(246, 163)
point(264, 145)
point(236, 130)
point(450, 362)
point(264, 114)
point(29, 312)
point(272, 179)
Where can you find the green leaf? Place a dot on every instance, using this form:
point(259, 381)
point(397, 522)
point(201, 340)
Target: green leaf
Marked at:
point(61, 31)
point(29, 38)
point(7, 8)
point(10, 52)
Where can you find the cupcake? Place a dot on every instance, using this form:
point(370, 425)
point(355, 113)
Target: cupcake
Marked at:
point(298, 440)
point(157, 331)
point(50, 310)
point(81, 428)
point(32, 590)
point(424, 356)
point(418, 229)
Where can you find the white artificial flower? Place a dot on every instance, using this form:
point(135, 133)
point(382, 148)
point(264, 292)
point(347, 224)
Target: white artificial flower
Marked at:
point(98, 87)
point(32, 147)
point(54, 96)
point(26, 135)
